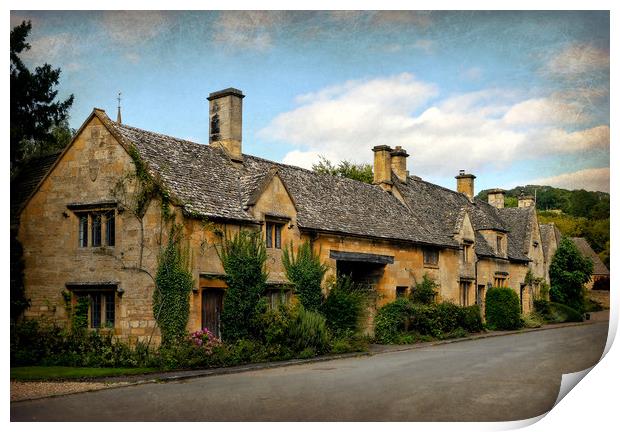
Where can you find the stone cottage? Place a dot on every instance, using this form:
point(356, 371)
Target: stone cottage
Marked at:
point(80, 237)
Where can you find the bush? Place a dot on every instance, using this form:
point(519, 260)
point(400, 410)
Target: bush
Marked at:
point(306, 272)
point(448, 318)
point(392, 319)
point(503, 311)
point(205, 340)
point(243, 258)
point(541, 306)
point(349, 342)
point(309, 330)
point(471, 319)
point(405, 322)
point(562, 313)
point(425, 291)
point(345, 306)
point(556, 312)
point(532, 320)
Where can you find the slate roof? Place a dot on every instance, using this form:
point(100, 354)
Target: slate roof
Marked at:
point(26, 180)
point(206, 182)
point(586, 250)
point(547, 232)
point(519, 221)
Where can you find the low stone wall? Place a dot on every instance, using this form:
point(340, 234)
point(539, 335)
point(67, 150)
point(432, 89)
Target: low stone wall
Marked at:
point(601, 297)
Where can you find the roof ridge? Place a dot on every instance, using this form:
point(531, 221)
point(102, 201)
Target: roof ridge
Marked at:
point(419, 179)
point(123, 125)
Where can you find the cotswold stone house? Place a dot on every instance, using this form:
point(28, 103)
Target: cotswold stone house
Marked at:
point(81, 239)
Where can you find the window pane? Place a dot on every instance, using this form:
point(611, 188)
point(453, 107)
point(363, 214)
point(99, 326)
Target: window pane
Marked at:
point(109, 309)
point(83, 231)
point(278, 231)
point(268, 234)
point(95, 310)
point(96, 230)
point(110, 232)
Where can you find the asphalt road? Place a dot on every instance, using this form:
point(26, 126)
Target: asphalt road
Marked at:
point(503, 378)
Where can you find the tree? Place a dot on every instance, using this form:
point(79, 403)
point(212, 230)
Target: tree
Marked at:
point(346, 169)
point(35, 115)
point(243, 258)
point(305, 270)
point(568, 272)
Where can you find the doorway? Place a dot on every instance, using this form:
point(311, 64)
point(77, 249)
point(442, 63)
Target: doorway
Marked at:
point(212, 302)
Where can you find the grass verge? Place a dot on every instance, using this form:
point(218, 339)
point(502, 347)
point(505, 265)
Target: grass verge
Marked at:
point(59, 373)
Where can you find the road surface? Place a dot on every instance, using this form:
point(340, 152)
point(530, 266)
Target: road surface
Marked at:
point(502, 378)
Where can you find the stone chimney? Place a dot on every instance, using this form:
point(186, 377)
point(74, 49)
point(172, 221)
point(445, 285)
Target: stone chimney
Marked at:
point(225, 121)
point(382, 168)
point(465, 184)
point(399, 163)
point(526, 201)
point(496, 197)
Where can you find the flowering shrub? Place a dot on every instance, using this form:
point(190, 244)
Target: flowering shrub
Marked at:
point(205, 339)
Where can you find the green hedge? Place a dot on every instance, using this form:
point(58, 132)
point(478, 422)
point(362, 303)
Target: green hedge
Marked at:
point(402, 321)
point(557, 312)
point(503, 310)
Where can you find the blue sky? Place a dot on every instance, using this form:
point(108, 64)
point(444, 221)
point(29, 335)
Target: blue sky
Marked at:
point(514, 97)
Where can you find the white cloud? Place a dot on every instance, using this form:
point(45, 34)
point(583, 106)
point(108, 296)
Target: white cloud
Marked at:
point(247, 29)
point(470, 131)
point(134, 27)
point(545, 111)
point(593, 179)
point(51, 49)
point(577, 60)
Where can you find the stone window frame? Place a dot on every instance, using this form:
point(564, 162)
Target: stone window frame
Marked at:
point(467, 249)
point(401, 291)
point(430, 257)
point(273, 231)
point(500, 244)
point(103, 295)
point(464, 291)
point(88, 234)
point(278, 295)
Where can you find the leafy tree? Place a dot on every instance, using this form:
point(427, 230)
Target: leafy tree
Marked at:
point(424, 292)
point(568, 272)
point(174, 283)
point(243, 258)
point(346, 169)
point(34, 112)
point(305, 270)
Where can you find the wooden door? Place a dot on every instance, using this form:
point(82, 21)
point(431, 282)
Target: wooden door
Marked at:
point(212, 301)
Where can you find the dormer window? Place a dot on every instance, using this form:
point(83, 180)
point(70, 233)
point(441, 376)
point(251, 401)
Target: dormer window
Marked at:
point(500, 244)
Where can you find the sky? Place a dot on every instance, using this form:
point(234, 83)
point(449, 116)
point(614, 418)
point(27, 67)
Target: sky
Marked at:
point(513, 97)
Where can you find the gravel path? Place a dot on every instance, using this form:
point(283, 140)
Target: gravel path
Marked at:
point(38, 389)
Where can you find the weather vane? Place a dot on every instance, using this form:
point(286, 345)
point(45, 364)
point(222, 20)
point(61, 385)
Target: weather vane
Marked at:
point(118, 115)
